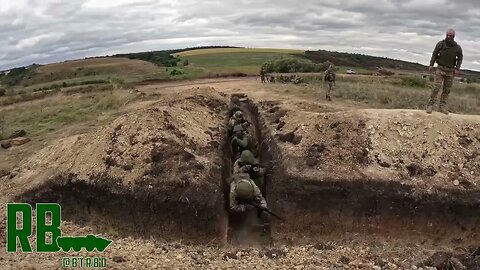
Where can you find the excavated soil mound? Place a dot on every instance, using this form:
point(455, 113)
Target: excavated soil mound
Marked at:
point(156, 171)
point(399, 172)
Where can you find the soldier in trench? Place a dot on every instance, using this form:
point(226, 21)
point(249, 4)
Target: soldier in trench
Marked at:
point(242, 189)
point(247, 163)
point(241, 140)
point(236, 119)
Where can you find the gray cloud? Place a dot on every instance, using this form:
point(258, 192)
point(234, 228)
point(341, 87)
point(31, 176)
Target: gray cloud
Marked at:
point(43, 31)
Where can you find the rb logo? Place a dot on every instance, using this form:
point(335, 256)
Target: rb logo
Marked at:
point(89, 242)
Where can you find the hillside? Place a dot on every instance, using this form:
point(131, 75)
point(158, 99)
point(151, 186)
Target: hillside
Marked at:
point(81, 72)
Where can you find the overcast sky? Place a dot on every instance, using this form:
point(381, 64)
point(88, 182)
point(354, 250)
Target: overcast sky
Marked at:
point(44, 31)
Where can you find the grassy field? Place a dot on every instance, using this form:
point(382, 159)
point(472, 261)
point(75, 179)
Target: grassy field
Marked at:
point(395, 92)
point(48, 115)
point(232, 62)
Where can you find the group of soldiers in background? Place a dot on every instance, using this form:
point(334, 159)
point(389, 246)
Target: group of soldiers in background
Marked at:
point(328, 79)
point(281, 78)
point(248, 174)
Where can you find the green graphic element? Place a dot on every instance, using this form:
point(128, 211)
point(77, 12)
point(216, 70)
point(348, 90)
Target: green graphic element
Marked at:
point(43, 227)
point(89, 242)
point(22, 233)
point(47, 227)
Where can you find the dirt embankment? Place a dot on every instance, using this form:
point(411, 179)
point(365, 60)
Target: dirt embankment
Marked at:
point(393, 172)
point(154, 171)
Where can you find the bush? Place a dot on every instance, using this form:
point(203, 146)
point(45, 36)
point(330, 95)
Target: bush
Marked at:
point(292, 65)
point(185, 63)
point(176, 72)
point(2, 92)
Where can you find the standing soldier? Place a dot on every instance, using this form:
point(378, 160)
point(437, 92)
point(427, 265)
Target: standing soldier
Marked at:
point(329, 78)
point(263, 74)
point(448, 54)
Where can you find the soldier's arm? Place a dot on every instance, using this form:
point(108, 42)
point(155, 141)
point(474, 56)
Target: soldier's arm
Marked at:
point(257, 196)
point(459, 58)
point(243, 142)
point(435, 53)
point(234, 206)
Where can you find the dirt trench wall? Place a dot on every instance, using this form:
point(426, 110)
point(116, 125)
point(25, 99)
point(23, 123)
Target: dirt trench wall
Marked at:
point(318, 206)
point(193, 214)
point(154, 172)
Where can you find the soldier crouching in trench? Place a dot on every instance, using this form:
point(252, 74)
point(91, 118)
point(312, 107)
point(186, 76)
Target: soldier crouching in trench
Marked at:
point(243, 190)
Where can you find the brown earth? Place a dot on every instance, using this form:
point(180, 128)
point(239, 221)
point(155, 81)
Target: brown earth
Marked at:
point(359, 188)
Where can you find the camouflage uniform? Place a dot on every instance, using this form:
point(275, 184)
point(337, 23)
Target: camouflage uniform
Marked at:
point(257, 174)
point(236, 119)
point(449, 56)
point(247, 163)
point(329, 78)
point(263, 75)
point(256, 195)
point(242, 141)
point(246, 158)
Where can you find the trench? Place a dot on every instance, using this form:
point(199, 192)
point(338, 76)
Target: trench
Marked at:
point(247, 228)
point(338, 209)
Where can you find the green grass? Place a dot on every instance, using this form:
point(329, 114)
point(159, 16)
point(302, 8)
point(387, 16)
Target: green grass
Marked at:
point(232, 62)
point(379, 95)
point(51, 115)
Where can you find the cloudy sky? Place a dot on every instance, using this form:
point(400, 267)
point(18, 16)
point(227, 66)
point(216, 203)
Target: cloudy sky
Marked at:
point(44, 31)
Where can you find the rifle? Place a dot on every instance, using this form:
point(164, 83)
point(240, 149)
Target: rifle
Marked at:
point(262, 208)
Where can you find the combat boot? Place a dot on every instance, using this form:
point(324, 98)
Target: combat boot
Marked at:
point(329, 98)
point(443, 109)
point(429, 109)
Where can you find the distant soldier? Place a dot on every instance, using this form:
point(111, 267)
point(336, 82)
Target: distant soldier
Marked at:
point(448, 54)
point(263, 74)
point(243, 189)
point(329, 78)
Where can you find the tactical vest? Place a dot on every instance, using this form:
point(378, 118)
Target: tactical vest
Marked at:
point(447, 56)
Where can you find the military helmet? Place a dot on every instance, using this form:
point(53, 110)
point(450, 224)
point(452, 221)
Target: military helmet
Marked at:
point(238, 114)
point(247, 157)
point(244, 189)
